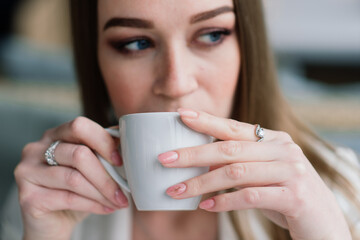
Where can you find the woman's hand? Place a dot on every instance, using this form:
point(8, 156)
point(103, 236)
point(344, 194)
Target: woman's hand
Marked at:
point(54, 198)
point(273, 175)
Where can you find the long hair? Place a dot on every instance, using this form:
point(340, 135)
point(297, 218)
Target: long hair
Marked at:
point(258, 98)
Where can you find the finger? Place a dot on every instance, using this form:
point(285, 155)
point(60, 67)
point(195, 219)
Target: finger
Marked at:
point(272, 198)
point(220, 153)
point(64, 178)
point(117, 140)
point(222, 128)
point(234, 175)
point(58, 200)
point(84, 131)
point(84, 160)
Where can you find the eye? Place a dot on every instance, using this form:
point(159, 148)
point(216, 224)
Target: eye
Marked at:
point(137, 45)
point(132, 45)
point(212, 38)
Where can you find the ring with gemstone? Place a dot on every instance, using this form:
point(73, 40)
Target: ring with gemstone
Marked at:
point(260, 133)
point(49, 154)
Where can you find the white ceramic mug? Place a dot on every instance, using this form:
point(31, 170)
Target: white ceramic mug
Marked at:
point(143, 137)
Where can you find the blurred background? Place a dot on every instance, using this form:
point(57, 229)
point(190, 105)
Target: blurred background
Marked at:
point(316, 43)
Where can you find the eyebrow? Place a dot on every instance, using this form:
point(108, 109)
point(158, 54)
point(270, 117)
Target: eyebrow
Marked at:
point(210, 14)
point(142, 23)
point(128, 22)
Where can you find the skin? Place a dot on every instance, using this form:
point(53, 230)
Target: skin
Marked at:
point(183, 68)
point(174, 66)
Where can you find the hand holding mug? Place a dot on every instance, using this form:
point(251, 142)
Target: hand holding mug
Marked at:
point(54, 198)
point(273, 175)
point(143, 137)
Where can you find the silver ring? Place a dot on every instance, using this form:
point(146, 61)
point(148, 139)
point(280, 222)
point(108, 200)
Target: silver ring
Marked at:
point(49, 154)
point(260, 133)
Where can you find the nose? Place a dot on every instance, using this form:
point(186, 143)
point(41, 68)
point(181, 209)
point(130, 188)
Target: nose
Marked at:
point(175, 76)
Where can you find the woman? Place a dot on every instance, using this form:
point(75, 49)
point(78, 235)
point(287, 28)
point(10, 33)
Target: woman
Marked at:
point(210, 61)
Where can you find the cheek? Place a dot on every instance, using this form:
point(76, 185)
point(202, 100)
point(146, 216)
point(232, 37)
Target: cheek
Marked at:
point(223, 74)
point(127, 84)
point(225, 83)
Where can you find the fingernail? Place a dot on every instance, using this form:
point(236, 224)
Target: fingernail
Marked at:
point(116, 158)
point(121, 199)
point(207, 204)
point(168, 157)
point(108, 210)
point(187, 113)
point(176, 189)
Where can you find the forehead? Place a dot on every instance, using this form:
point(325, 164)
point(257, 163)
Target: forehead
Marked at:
point(156, 10)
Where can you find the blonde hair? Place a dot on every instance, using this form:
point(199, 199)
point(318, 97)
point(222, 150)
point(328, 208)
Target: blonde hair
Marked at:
point(257, 84)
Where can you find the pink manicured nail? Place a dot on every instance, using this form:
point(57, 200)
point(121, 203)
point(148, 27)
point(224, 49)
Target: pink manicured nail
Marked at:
point(176, 189)
point(116, 158)
point(108, 210)
point(187, 113)
point(121, 199)
point(168, 157)
point(207, 204)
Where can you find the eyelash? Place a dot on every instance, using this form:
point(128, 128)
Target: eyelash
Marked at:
point(222, 32)
point(121, 45)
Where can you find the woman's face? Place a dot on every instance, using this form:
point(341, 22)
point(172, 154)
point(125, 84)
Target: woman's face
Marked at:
point(160, 55)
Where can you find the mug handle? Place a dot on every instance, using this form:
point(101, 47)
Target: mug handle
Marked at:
point(110, 168)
